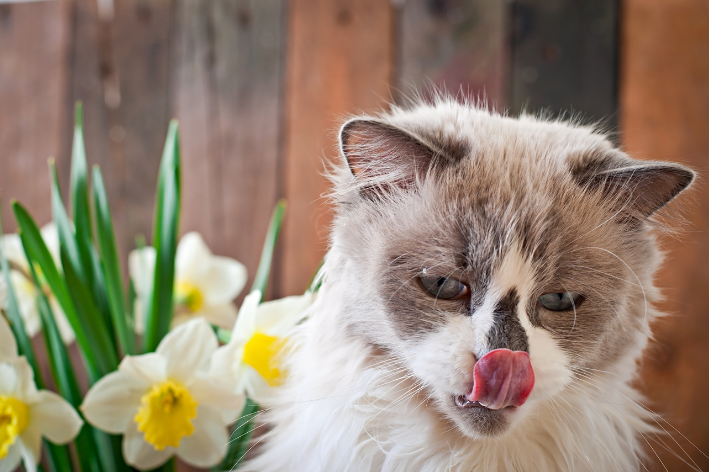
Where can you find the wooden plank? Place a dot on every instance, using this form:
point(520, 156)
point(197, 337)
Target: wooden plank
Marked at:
point(460, 46)
point(665, 115)
point(229, 101)
point(340, 61)
point(33, 80)
point(564, 57)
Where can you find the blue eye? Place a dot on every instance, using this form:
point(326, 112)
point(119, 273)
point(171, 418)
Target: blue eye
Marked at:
point(560, 301)
point(445, 288)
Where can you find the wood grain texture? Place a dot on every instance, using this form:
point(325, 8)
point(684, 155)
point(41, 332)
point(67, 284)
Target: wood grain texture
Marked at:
point(665, 115)
point(229, 100)
point(33, 80)
point(340, 61)
point(457, 45)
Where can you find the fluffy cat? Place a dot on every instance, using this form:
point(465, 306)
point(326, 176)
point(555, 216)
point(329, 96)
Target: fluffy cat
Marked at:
point(487, 293)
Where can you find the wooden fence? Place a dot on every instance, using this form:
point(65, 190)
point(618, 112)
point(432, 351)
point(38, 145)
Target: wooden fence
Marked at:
point(259, 87)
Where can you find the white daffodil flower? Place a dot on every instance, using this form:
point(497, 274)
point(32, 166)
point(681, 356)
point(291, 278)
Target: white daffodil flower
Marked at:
point(249, 361)
point(165, 404)
point(205, 284)
point(27, 414)
point(25, 288)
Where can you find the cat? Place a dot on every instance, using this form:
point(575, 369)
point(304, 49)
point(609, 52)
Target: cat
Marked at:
point(485, 299)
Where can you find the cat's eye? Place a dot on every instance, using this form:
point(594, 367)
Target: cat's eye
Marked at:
point(560, 301)
point(445, 288)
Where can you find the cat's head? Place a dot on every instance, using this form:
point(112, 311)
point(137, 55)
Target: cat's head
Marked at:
point(466, 232)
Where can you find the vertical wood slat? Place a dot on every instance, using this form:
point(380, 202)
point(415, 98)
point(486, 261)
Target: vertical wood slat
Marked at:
point(340, 61)
point(229, 100)
point(665, 116)
point(33, 78)
point(455, 45)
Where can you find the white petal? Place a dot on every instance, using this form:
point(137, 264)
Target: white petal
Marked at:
point(25, 388)
point(223, 316)
point(192, 258)
point(245, 325)
point(141, 454)
point(31, 439)
point(26, 293)
point(14, 251)
point(278, 317)
point(257, 388)
point(208, 444)
point(12, 460)
point(188, 349)
point(65, 330)
point(50, 235)
point(150, 368)
point(223, 280)
point(113, 401)
point(8, 346)
point(208, 392)
point(224, 367)
point(55, 417)
point(141, 267)
point(8, 379)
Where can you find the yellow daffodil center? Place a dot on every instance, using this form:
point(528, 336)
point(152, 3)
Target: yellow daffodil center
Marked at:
point(189, 295)
point(165, 414)
point(260, 353)
point(14, 417)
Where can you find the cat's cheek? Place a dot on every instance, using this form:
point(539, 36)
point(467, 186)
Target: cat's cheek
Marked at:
point(550, 363)
point(444, 358)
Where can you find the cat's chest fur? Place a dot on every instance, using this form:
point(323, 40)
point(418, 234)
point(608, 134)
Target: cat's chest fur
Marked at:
point(472, 257)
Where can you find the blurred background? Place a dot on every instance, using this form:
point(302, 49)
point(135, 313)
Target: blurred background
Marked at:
point(260, 86)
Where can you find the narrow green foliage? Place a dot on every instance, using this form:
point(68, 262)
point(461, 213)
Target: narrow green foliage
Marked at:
point(111, 264)
point(165, 230)
point(80, 196)
point(59, 457)
point(264, 265)
point(240, 437)
point(38, 253)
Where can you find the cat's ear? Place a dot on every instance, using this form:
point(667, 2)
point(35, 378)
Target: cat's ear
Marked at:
point(641, 187)
point(380, 155)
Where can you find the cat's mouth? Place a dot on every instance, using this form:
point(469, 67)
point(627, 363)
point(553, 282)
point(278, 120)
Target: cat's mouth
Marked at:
point(461, 401)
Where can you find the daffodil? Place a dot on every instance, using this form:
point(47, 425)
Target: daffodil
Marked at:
point(205, 284)
point(250, 361)
point(27, 414)
point(165, 403)
point(25, 288)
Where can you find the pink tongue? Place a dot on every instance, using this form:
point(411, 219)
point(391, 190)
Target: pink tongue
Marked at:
point(502, 378)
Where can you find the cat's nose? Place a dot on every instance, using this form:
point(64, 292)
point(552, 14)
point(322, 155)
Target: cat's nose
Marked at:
point(502, 378)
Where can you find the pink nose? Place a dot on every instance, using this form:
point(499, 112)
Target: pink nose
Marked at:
point(502, 378)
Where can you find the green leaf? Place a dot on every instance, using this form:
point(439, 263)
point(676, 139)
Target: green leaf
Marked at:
point(38, 253)
point(59, 457)
point(111, 264)
point(240, 437)
point(165, 229)
point(264, 265)
point(80, 196)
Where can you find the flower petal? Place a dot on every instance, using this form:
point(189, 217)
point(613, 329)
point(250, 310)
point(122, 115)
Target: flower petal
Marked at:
point(31, 439)
point(139, 453)
point(25, 388)
point(245, 325)
point(208, 392)
point(12, 459)
point(65, 329)
point(8, 379)
point(8, 346)
point(113, 401)
point(188, 349)
point(223, 280)
point(278, 317)
point(225, 365)
point(256, 387)
point(141, 267)
point(149, 368)
point(208, 444)
point(14, 251)
point(55, 417)
point(50, 235)
point(192, 258)
point(223, 316)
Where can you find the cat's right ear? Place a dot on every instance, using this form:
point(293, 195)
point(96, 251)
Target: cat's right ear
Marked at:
point(381, 156)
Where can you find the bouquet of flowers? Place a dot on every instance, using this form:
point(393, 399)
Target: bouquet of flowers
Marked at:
point(172, 369)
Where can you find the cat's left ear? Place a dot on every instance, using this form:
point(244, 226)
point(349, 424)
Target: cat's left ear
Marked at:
point(642, 187)
point(380, 155)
